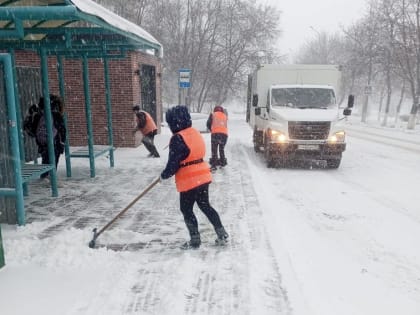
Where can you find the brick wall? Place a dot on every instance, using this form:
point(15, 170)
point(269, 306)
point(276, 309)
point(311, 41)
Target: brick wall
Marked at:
point(125, 92)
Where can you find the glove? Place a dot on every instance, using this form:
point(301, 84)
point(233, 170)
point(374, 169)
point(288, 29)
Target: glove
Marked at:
point(162, 178)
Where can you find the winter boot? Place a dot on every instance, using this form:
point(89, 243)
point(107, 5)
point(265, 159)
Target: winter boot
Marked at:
point(193, 243)
point(213, 163)
point(222, 236)
point(223, 162)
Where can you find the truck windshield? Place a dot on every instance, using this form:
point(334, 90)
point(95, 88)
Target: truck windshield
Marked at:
point(303, 97)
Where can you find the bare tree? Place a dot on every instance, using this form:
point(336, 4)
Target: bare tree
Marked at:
point(386, 16)
point(408, 56)
point(133, 10)
point(330, 49)
point(323, 49)
point(219, 40)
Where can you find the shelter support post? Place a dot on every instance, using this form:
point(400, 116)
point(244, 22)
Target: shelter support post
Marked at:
point(13, 135)
point(109, 112)
point(17, 106)
point(88, 114)
point(18, 116)
point(63, 96)
point(48, 119)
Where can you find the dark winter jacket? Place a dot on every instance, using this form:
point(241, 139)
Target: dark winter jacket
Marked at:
point(141, 120)
point(58, 121)
point(178, 118)
point(209, 121)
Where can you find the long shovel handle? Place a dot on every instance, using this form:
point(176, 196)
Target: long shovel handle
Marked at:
point(145, 191)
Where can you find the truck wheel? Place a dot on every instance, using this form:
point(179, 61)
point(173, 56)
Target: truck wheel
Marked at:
point(333, 163)
point(257, 139)
point(282, 161)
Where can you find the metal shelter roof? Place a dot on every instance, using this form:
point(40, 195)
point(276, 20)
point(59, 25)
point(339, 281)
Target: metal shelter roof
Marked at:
point(74, 26)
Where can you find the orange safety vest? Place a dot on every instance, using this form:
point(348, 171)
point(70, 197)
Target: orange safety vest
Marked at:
point(219, 123)
point(193, 171)
point(150, 124)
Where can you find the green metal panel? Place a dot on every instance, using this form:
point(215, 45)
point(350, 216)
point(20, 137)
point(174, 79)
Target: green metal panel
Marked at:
point(17, 104)
point(37, 13)
point(7, 205)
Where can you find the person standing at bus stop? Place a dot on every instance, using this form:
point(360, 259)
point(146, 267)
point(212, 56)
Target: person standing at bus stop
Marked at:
point(147, 126)
point(58, 129)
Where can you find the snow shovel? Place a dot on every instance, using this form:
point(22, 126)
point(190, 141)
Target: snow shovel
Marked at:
point(96, 233)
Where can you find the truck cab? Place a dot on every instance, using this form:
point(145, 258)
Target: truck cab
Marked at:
point(294, 113)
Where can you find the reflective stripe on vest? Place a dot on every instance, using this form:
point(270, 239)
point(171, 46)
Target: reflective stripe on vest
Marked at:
point(219, 123)
point(150, 124)
point(193, 171)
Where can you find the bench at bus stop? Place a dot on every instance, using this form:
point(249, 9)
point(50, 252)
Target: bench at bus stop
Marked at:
point(84, 152)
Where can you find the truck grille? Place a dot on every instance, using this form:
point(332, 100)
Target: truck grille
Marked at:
point(309, 130)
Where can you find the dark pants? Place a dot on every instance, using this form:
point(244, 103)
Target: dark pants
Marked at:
point(218, 142)
point(43, 150)
point(148, 141)
point(200, 195)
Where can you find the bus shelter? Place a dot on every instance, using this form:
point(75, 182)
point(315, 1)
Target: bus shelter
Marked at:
point(64, 29)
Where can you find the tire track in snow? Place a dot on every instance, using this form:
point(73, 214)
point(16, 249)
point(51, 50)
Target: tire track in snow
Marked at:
point(216, 285)
point(263, 258)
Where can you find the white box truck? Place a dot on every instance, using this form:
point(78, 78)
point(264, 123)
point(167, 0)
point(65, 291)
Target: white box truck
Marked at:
point(294, 113)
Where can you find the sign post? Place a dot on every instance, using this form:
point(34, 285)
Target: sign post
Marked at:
point(184, 84)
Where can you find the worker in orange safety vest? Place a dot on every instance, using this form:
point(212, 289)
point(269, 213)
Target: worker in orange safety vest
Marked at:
point(147, 126)
point(192, 175)
point(217, 124)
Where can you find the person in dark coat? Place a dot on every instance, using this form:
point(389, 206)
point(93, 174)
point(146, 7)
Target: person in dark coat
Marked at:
point(217, 124)
point(147, 126)
point(59, 130)
point(192, 174)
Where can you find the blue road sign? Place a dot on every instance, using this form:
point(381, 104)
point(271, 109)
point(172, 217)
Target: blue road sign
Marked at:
point(184, 78)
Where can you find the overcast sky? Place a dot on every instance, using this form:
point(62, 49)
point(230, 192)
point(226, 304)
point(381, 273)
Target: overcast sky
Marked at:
point(301, 19)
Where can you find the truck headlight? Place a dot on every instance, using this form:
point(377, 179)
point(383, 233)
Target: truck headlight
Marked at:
point(339, 136)
point(278, 136)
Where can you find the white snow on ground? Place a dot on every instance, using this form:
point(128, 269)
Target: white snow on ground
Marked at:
point(305, 241)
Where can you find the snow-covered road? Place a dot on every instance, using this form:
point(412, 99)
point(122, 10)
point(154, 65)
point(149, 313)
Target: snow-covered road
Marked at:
point(347, 238)
point(305, 241)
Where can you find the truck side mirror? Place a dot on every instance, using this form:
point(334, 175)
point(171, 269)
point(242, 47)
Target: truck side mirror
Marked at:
point(347, 112)
point(350, 101)
point(255, 100)
point(258, 111)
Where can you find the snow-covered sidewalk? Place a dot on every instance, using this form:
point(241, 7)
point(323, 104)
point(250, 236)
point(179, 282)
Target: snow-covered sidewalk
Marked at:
point(137, 267)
